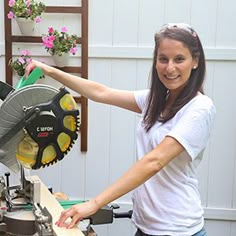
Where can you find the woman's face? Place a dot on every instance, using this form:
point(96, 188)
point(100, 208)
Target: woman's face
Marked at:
point(174, 64)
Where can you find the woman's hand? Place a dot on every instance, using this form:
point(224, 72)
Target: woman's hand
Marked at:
point(33, 64)
point(77, 213)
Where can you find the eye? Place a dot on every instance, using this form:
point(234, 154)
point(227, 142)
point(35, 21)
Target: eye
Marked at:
point(162, 59)
point(179, 59)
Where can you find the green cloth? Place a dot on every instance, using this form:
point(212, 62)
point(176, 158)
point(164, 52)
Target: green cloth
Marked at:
point(68, 203)
point(65, 204)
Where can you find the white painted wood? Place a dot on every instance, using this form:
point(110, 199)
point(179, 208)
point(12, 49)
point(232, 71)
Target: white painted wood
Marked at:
point(225, 36)
point(172, 15)
point(101, 25)
point(122, 128)
point(204, 20)
point(125, 22)
point(98, 158)
point(222, 160)
point(233, 228)
point(217, 228)
point(151, 17)
point(220, 214)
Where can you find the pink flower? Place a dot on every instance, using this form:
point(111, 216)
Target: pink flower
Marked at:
point(10, 15)
point(51, 38)
point(25, 53)
point(29, 12)
point(47, 43)
point(21, 60)
point(50, 30)
point(73, 50)
point(28, 60)
point(38, 19)
point(28, 3)
point(11, 3)
point(64, 29)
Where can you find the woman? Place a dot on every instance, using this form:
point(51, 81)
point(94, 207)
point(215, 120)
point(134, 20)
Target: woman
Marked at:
point(171, 137)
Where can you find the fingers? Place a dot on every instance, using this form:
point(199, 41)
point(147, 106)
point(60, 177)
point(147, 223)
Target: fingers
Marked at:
point(76, 219)
point(29, 68)
point(76, 213)
point(71, 212)
point(64, 216)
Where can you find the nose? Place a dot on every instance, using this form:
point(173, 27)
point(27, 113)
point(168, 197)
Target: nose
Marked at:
point(170, 67)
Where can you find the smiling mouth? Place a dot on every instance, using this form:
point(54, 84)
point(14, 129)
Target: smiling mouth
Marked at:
point(171, 77)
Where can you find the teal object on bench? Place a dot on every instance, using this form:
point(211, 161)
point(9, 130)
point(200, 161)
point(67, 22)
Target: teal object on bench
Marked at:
point(69, 203)
point(65, 204)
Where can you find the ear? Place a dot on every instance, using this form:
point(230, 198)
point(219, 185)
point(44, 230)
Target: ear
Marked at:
point(195, 63)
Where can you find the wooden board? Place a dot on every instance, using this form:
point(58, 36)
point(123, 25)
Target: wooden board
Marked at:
point(49, 201)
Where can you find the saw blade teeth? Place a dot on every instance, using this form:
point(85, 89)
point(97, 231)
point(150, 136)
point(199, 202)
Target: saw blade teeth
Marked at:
point(49, 164)
point(69, 148)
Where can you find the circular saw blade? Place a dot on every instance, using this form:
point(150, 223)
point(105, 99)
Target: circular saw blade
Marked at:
point(11, 112)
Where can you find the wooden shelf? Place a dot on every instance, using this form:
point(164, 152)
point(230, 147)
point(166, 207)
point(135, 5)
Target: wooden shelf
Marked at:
point(82, 69)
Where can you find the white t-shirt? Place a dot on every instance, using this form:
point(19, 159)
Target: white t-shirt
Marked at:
point(169, 202)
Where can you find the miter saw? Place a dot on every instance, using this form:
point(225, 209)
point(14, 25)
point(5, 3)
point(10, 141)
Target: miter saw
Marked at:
point(38, 126)
point(38, 123)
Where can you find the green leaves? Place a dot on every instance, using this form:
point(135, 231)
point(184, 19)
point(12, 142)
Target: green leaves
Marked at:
point(27, 9)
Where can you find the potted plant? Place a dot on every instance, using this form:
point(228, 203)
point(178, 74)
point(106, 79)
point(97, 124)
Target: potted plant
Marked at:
point(59, 44)
point(18, 65)
point(26, 13)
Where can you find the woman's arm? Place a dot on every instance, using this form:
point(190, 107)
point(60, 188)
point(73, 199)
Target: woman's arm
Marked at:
point(89, 89)
point(140, 172)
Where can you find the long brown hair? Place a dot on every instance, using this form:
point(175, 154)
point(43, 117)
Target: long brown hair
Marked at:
point(158, 92)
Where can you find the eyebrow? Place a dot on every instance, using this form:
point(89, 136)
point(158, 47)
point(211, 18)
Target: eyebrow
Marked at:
point(178, 55)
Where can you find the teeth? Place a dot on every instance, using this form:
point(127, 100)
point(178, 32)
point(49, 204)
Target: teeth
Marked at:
point(172, 77)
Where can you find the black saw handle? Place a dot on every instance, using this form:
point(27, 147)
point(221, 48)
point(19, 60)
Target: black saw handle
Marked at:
point(5, 89)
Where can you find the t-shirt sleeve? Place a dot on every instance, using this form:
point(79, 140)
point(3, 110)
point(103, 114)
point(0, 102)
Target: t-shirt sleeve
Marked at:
point(194, 125)
point(141, 97)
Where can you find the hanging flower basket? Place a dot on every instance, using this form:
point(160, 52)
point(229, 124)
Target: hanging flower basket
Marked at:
point(26, 13)
point(26, 26)
point(62, 60)
point(60, 44)
point(18, 64)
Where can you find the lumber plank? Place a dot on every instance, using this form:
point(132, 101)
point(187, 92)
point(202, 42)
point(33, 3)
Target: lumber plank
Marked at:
point(49, 201)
